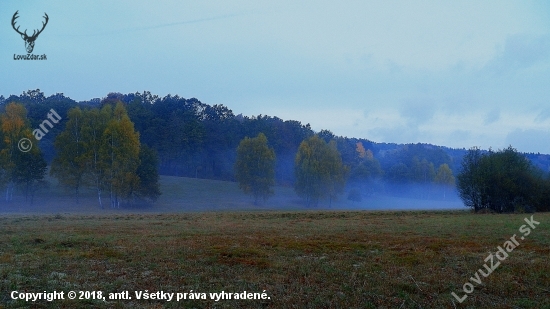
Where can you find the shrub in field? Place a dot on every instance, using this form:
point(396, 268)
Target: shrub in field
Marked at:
point(502, 181)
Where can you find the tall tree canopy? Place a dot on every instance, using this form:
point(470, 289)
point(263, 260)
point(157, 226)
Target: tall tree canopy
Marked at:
point(502, 181)
point(319, 170)
point(101, 149)
point(194, 139)
point(69, 166)
point(255, 167)
point(21, 159)
point(120, 153)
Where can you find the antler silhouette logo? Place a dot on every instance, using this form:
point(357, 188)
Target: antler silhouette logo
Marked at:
point(29, 40)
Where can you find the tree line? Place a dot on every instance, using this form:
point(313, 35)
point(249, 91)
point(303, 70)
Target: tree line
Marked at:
point(19, 168)
point(318, 169)
point(194, 139)
point(97, 148)
point(189, 138)
point(502, 181)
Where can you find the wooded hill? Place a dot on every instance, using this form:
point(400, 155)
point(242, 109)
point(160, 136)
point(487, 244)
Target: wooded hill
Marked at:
point(194, 139)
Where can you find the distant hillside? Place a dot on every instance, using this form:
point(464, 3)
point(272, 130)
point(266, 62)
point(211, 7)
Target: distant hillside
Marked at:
point(198, 140)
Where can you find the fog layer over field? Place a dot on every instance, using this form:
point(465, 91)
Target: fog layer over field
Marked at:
point(181, 194)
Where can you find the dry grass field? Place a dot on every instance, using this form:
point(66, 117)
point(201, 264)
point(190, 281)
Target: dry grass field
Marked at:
point(322, 259)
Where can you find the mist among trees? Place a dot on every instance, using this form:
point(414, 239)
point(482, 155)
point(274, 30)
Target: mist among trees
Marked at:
point(120, 144)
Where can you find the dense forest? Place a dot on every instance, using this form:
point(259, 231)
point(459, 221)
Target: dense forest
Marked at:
point(194, 139)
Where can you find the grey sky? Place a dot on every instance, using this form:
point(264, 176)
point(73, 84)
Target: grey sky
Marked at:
point(454, 73)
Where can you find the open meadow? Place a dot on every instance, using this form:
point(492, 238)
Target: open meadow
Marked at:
point(275, 154)
point(181, 194)
point(302, 259)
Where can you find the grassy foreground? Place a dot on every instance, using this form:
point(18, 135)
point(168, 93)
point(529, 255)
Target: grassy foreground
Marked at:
point(301, 259)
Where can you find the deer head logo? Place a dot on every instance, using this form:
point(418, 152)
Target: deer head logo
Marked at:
point(29, 40)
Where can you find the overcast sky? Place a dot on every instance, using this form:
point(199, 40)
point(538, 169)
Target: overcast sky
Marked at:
point(453, 73)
